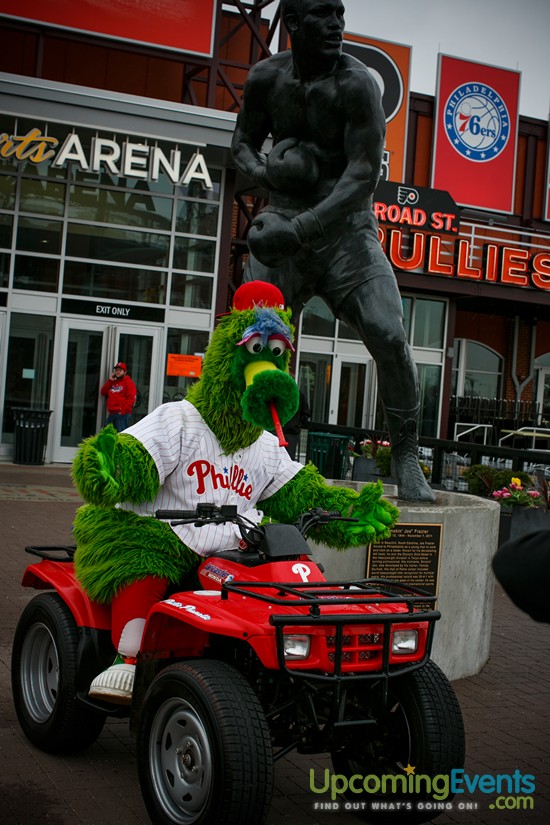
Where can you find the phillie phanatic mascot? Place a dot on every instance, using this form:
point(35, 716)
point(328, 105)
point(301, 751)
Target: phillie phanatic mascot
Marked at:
point(214, 447)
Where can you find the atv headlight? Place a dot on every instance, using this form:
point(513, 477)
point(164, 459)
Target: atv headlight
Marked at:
point(296, 647)
point(405, 641)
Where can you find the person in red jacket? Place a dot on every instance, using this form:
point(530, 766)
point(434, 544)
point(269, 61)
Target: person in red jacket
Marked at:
point(121, 393)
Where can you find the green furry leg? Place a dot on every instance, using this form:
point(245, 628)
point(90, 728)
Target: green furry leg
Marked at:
point(117, 547)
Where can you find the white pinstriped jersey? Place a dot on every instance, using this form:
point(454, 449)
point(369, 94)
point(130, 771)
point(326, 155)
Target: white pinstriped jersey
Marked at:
point(193, 469)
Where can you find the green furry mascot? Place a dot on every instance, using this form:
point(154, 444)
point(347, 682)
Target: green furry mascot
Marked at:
point(214, 447)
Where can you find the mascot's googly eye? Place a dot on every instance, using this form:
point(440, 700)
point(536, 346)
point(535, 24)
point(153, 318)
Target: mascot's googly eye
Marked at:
point(254, 344)
point(277, 345)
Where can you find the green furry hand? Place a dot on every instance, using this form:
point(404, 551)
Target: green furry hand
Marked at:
point(114, 467)
point(106, 441)
point(376, 515)
point(94, 468)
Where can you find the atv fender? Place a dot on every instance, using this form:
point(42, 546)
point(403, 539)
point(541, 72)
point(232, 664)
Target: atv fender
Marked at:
point(53, 575)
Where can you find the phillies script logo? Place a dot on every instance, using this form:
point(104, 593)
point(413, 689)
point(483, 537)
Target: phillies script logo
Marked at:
point(233, 478)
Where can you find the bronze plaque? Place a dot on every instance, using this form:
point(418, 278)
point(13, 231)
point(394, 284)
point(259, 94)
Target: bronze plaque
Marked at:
point(411, 556)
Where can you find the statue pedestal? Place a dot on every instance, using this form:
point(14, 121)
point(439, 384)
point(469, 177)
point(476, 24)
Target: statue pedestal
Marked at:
point(468, 540)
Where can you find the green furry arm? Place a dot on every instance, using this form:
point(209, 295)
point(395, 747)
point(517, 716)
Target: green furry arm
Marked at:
point(308, 489)
point(112, 467)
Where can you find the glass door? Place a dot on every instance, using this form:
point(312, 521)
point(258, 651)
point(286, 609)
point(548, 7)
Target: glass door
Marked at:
point(352, 392)
point(89, 350)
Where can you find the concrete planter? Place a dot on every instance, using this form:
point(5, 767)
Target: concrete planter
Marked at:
point(470, 527)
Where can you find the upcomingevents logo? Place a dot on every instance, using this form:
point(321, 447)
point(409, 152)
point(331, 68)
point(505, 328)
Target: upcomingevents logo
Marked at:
point(412, 791)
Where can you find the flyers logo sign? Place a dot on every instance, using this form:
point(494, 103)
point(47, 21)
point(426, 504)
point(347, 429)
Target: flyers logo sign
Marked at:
point(477, 122)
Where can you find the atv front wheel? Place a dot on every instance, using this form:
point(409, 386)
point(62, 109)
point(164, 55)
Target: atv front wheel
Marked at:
point(422, 729)
point(203, 748)
point(43, 675)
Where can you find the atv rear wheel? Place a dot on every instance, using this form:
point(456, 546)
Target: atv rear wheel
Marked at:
point(422, 728)
point(203, 748)
point(43, 674)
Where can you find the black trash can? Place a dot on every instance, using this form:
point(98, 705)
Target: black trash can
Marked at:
point(30, 432)
point(329, 452)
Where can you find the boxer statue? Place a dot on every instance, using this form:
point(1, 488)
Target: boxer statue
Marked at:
point(318, 234)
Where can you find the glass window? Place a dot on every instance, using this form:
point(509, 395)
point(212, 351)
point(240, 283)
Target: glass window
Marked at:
point(197, 218)
point(119, 245)
point(346, 333)
point(191, 291)
point(39, 235)
point(29, 366)
point(429, 379)
point(7, 191)
point(133, 208)
point(481, 358)
point(42, 196)
point(477, 370)
point(407, 316)
point(182, 342)
point(36, 272)
point(429, 323)
point(5, 260)
point(481, 385)
point(6, 228)
point(197, 190)
point(7, 126)
point(315, 375)
point(317, 319)
point(194, 254)
point(115, 282)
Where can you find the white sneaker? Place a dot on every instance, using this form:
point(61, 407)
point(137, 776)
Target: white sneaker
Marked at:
point(114, 684)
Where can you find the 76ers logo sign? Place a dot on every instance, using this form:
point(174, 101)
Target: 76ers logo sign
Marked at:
point(477, 122)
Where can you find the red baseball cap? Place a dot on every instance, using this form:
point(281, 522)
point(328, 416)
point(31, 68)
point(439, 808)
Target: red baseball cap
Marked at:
point(256, 294)
point(121, 365)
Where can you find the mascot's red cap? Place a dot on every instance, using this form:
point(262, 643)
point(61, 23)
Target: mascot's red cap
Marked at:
point(258, 294)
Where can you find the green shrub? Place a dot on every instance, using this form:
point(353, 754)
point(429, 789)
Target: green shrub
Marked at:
point(383, 460)
point(483, 480)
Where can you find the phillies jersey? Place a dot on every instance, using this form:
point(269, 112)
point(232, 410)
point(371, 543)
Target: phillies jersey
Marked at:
point(193, 469)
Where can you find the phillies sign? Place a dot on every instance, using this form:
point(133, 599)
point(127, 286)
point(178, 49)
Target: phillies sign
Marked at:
point(434, 255)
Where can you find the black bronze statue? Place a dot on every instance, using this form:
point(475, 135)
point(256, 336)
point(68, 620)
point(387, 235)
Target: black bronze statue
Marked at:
point(319, 235)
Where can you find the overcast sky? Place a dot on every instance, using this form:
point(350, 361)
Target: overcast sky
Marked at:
point(513, 34)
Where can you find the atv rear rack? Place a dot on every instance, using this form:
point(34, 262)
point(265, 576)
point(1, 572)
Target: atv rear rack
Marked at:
point(52, 553)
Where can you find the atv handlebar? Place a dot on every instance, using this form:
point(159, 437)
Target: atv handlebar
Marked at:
point(210, 513)
point(203, 513)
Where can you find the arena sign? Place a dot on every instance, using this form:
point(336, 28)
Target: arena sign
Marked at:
point(126, 158)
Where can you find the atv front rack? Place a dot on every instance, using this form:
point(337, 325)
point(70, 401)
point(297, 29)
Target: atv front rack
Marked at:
point(316, 595)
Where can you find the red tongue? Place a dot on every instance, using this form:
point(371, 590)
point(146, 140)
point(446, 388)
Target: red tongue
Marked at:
point(278, 429)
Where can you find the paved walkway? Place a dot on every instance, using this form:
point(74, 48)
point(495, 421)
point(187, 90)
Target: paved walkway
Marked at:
point(505, 707)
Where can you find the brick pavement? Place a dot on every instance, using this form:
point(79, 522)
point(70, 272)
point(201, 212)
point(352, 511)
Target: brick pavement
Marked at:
point(505, 707)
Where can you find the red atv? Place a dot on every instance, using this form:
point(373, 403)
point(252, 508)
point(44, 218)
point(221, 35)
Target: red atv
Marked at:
point(256, 657)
